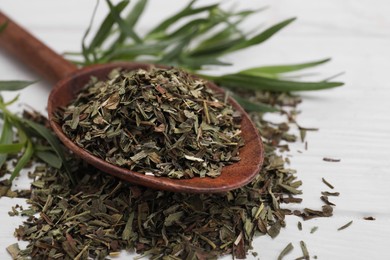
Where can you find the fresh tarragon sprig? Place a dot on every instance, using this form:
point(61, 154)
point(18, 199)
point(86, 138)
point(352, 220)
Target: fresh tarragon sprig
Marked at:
point(25, 137)
point(194, 38)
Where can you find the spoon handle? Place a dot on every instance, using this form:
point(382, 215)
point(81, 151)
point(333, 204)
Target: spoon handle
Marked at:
point(32, 52)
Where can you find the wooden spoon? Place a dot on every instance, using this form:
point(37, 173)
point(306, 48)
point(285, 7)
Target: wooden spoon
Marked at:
point(70, 80)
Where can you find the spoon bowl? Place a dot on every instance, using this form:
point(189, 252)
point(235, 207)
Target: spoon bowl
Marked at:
point(52, 66)
point(232, 176)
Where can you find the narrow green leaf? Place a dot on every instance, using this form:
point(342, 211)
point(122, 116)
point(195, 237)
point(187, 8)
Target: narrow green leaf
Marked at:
point(333, 76)
point(16, 122)
point(131, 20)
point(12, 100)
point(23, 160)
point(12, 85)
point(84, 50)
point(187, 11)
point(54, 143)
point(231, 30)
point(263, 36)
point(225, 38)
point(132, 51)
point(251, 106)
point(168, 22)
point(260, 71)
point(49, 158)
point(226, 33)
point(125, 29)
point(239, 81)
point(191, 25)
point(217, 48)
point(134, 15)
point(106, 26)
point(196, 63)
point(11, 148)
point(245, 13)
point(177, 50)
point(5, 138)
point(42, 148)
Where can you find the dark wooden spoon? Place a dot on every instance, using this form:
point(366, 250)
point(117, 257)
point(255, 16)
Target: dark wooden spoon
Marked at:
point(70, 80)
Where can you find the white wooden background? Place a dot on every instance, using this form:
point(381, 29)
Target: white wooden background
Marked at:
point(353, 120)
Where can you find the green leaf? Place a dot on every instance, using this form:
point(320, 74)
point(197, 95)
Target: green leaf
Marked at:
point(263, 36)
point(190, 26)
point(125, 29)
point(131, 20)
point(266, 70)
point(231, 30)
point(217, 48)
point(84, 50)
point(249, 82)
point(5, 138)
point(54, 143)
point(254, 107)
point(133, 16)
point(12, 100)
point(225, 34)
point(187, 11)
point(174, 54)
point(196, 63)
point(11, 148)
point(106, 26)
point(23, 160)
point(49, 158)
point(132, 51)
point(42, 148)
point(12, 85)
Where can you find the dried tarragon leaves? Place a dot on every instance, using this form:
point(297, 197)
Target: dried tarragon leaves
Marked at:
point(161, 121)
point(110, 215)
point(103, 215)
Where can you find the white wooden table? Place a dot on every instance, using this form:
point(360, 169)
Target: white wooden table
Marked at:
point(354, 120)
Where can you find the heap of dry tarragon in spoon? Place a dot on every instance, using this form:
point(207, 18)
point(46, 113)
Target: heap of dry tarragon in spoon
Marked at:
point(161, 122)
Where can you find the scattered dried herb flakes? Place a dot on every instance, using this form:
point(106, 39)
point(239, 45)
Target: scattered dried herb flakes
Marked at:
point(345, 226)
point(299, 225)
point(327, 211)
point(160, 121)
point(6, 191)
point(327, 183)
point(325, 199)
point(286, 251)
point(101, 219)
point(327, 159)
point(111, 215)
point(327, 193)
point(13, 250)
point(313, 229)
point(305, 252)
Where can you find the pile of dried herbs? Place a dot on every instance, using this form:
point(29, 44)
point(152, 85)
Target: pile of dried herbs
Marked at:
point(76, 222)
point(160, 121)
point(110, 215)
point(97, 215)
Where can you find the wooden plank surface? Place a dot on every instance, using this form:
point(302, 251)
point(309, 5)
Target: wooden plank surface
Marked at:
point(354, 120)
